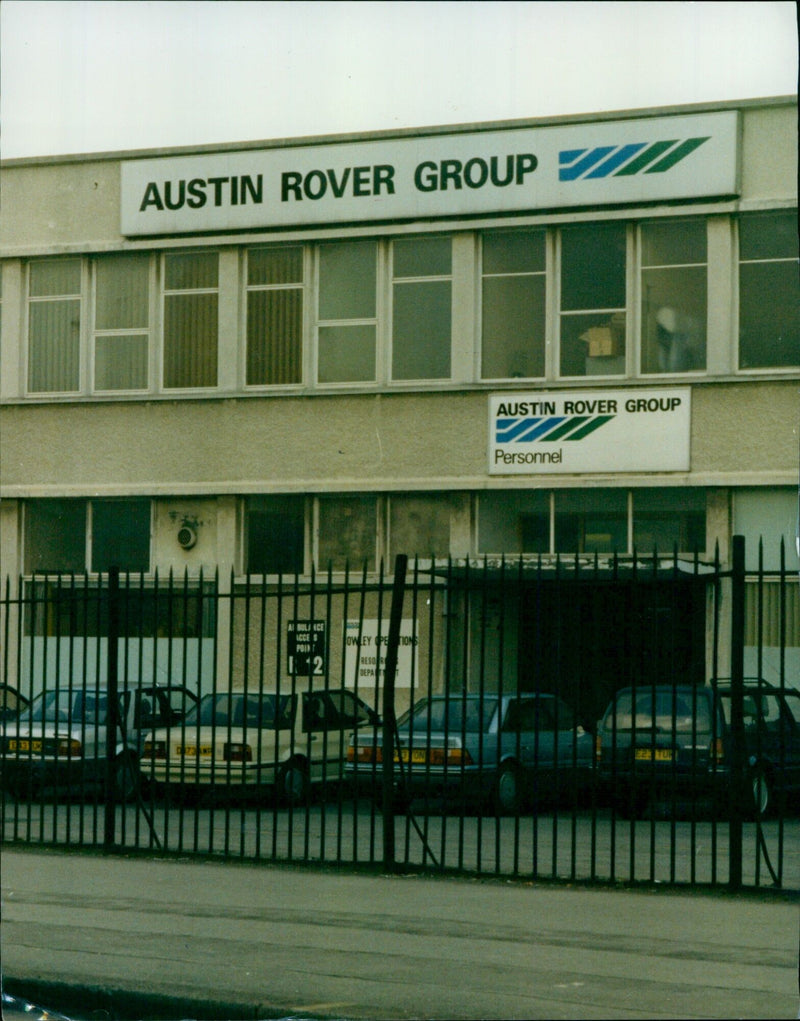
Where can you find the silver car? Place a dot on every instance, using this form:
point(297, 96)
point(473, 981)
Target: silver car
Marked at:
point(505, 751)
point(60, 741)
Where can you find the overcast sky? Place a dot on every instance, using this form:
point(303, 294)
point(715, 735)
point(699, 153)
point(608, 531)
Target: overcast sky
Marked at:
point(96, 76)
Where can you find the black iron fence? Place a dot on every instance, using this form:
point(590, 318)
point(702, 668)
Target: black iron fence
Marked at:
point(592, 719)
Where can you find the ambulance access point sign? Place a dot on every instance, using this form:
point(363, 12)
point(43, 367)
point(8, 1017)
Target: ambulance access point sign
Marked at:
point(590, 431)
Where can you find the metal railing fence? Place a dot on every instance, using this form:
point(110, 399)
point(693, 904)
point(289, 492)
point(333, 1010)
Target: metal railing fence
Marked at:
point(441, 715)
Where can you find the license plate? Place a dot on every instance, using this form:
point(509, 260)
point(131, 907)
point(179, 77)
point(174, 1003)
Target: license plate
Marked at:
point(193, 750)
point(417, 755)
point(653, 754)
point(22, 745)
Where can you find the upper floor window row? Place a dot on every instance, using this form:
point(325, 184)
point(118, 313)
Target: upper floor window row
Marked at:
point(594, 299)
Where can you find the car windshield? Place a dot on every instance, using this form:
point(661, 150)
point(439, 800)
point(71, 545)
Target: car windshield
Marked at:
point(457, 714)
point(673, 711)
point(73, 706)
point(222, 710)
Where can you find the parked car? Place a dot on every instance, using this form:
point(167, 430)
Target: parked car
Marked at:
point(667, 742)
point(12, 702)
point(498, 751)
point(59, 742)
point(261, 741)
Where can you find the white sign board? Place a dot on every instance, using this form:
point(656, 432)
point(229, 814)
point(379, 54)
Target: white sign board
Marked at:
point(590, 431)
point(369, 640)
point(429, 176)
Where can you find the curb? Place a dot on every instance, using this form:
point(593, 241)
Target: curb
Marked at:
point(95, 1003)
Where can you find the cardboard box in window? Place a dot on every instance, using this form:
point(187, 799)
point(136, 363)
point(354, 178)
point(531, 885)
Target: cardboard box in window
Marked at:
point(603, 342)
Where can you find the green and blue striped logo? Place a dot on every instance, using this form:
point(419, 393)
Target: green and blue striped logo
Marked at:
point(548, 429)
point(625, 160)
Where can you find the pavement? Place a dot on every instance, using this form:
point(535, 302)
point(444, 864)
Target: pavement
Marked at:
point(127, 937)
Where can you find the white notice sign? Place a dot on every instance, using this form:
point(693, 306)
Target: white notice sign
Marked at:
point(590, 431)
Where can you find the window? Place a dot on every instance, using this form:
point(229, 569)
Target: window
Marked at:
point(591, 522)
point(54, 326)
point(769, 291)
point(673, 295)
point(593, 299)
point(347, 532)
point(120, 535)
point(274, 315)
point(121, 321)
point(669, 519)
point(513, 304)
point(72, 536)
point(514, 522)
point(275, 535)
point(421, 311)
point(419, 526)
point(190, 319)
point(55, 536)
point(347, 322)
point(769, 515)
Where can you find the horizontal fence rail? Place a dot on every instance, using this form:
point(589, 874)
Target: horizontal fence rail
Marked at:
point(593, 719)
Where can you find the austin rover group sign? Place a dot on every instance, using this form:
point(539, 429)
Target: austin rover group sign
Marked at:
point(590, 431)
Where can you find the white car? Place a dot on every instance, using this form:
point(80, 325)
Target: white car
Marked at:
point(263, 740)
point(60, 741)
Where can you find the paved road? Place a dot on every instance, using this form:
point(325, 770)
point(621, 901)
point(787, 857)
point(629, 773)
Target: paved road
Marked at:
point(274, 940)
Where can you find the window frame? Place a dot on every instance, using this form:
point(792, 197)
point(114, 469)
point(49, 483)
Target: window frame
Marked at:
point(738, 262)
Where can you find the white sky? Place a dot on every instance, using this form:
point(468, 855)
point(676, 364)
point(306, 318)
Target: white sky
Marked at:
point(87, 76)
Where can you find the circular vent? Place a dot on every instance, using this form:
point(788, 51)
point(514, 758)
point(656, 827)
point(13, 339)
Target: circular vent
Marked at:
point(187, 537)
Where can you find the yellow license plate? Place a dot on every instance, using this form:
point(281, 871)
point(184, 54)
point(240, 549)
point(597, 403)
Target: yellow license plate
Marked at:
point(22, 745)
point(193, 750)
point(653, 754)
point(417, 755)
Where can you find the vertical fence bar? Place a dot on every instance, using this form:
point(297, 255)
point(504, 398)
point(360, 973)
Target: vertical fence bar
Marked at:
point(389, 722)
point(737, 787)
point(112, 710)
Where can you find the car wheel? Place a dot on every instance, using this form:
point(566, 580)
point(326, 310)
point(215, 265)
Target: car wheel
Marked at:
point(761, 793)
point(508, 790)
point(126, 777)
point(293, 784)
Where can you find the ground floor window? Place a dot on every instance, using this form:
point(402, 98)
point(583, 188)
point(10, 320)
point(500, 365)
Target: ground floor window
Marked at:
point(73, 536)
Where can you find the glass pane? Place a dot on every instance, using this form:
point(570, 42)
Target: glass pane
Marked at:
point(769, 315)
point(347, 275)
point(768, 236)
point(121, 535)
point(275, 535)
point(346, 354)
point(593, 266)
point(421, 331)
point(674, 319)
point(593, 345)
point(54, 346)
point(55, 536)
point(121, 363)
point(591, 521)
point(190, 340)
point(771, 515)
point(347, 532)
point(275, 266)
point(422, 257)
point(511, 522)
point(518, 251)
point(419, 526)
point(664, 519)
point(274, 336)
point(673, 242)
point(121, 300)
point(513, 327)
point(191, 271)
point(56, 276)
